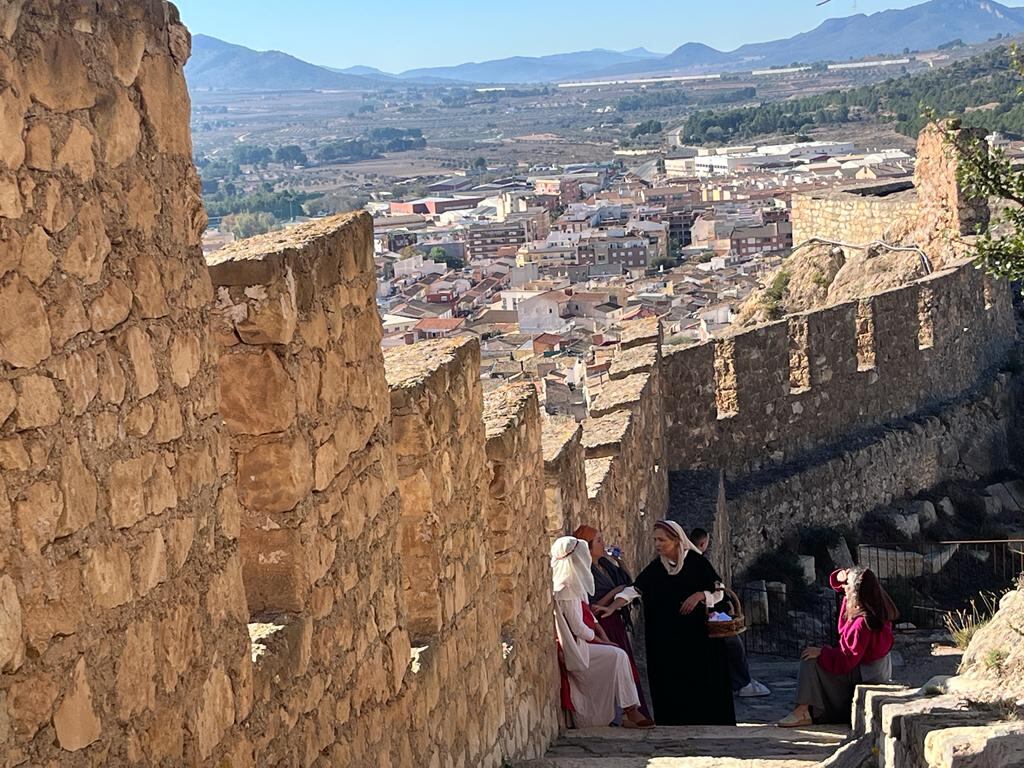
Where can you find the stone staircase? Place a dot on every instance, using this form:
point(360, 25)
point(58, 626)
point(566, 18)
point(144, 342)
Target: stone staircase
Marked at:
point(744, 746)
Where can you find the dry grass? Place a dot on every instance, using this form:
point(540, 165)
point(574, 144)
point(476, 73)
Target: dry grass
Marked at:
point(964, 623)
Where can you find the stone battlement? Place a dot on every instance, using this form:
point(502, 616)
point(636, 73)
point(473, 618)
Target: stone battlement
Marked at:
point(767, 394)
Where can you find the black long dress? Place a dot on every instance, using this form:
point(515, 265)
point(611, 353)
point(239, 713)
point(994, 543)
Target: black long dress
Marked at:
point(688, 672)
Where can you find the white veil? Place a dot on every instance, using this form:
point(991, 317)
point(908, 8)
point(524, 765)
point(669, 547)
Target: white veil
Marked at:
point(573, 584)
point(570, 569)
point(685, 546)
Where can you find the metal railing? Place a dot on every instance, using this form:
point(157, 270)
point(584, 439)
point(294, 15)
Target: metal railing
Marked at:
point(782, 624)
point(926, 581)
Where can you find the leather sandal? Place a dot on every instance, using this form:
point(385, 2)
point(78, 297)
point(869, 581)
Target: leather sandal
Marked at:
point(645, 723)
point(792, 721)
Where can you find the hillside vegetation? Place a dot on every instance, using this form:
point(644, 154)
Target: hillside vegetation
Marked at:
point(984, 90)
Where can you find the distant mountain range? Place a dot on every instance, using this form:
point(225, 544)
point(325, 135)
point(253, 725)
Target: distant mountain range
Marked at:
point(219, 65)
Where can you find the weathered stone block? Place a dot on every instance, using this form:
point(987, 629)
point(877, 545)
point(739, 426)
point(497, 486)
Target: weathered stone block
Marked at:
point(38, 402)
point(75, 719)
point(135, 685)
point(112, 307)
point(214, 712)
point(12, 646)
point(24, 326)
point(275, 477)
point(37, 515)
point(108, 575)
point(273, 566)
point(79, 489)
point(257, 396)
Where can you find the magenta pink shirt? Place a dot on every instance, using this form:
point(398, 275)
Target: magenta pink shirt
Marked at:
point(858, 643)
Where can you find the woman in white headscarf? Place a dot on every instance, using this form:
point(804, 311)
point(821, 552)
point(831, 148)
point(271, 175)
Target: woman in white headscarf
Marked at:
point(600, 675)
point(689, 674)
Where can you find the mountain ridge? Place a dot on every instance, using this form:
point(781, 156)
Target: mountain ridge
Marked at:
point(217, 64)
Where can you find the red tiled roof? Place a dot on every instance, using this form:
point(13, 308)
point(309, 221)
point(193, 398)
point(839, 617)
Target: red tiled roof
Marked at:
point(437, 324)
point(547, 338)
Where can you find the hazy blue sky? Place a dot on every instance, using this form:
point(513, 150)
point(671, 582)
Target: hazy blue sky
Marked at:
point(395, 35)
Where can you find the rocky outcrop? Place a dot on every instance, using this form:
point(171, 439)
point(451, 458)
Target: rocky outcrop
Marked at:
point(865, 239)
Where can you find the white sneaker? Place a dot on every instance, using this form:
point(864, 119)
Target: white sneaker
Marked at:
point(754, 689)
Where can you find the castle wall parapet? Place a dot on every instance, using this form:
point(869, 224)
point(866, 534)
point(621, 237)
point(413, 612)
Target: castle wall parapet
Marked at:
point(565, 481)
point(122, 609)
point(770, 393)
point(518, 540)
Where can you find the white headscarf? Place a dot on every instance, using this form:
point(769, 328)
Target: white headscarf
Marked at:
point(685, 546)
point(570, 569)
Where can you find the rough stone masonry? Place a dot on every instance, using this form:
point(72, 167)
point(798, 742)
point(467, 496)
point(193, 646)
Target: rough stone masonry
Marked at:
point(233, 534)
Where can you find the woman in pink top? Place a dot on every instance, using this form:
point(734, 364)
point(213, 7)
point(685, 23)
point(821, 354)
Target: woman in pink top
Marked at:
point(829, 675)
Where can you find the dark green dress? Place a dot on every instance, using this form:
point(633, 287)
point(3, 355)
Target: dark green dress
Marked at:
point(688, 672)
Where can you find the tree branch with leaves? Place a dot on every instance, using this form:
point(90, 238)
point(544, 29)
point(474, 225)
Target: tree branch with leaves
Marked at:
point(986, 171)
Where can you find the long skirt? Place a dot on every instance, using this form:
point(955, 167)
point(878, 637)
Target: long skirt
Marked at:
point(830, 695)
point(615, 628)
point(605, 684)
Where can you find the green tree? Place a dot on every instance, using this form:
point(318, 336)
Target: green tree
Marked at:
point(480, 164)
point(291, 154)
point(987, 172)
point(409, 251)
point(243, 225)
point(251, 154)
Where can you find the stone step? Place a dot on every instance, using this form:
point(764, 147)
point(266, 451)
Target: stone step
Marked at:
point(744, 746)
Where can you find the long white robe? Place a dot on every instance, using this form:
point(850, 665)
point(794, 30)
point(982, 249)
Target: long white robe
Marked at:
point(607, 680)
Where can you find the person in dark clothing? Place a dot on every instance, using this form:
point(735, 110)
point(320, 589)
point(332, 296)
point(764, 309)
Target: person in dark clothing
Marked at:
point(688, 672)
point(610, 578)
point(743, 685)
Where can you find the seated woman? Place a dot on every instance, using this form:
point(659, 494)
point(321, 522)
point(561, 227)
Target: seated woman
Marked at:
point(688, 671)
point(610, 578)
point(600, 675)
point(829, 675)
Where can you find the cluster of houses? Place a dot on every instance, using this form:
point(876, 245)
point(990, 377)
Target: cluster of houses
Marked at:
point(545, 268)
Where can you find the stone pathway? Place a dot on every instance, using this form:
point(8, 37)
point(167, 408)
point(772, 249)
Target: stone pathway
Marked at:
point(744, 746)
point(757, 742)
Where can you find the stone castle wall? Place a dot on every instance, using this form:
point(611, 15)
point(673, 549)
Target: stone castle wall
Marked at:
point(223, 521)
point(967, 439)
point(122, 608)
point(303, 399)
point(846, 218)
point(519, 541)
point(763, 396)
point(233, 533)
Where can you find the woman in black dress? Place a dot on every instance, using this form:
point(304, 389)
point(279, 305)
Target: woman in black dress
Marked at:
point(689, 674)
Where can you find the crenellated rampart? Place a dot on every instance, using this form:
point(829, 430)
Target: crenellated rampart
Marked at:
point(769, 394)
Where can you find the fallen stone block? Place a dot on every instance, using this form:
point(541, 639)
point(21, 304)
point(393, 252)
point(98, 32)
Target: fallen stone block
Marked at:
point(1016, 489)
point(907, 524)
point(993, 505)
point(945, 508)
point(1006, 499)
point(993, 746)
point(925, 513)
point(755, 602)
point(935, 561)
point(807, 568)
point(839, 554)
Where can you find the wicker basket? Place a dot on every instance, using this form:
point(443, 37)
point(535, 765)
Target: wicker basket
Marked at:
point(735, 626)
